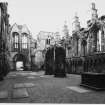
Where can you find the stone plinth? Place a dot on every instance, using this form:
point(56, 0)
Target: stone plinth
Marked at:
point(93, 80)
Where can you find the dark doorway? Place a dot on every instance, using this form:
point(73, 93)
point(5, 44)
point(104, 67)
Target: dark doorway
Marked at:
point(19, 62)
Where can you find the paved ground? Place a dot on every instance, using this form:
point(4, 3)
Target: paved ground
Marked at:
point(35, 87)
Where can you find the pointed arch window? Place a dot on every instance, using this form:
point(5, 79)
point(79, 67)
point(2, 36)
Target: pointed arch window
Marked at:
point(48, 41)
point(24, 41)
point(15, 41)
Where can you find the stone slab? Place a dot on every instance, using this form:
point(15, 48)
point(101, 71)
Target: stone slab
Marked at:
point(19, 85)
point(42, 76)
point(78, 89)
point(29, 84)
point(20, 93)
point(31, 77)
point(46, 76)
point(23, 74)
point(11, 75)
point(23, 85)
point(3, 94)
point(33, 73)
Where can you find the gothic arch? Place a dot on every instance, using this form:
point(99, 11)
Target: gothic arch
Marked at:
point(19, 57)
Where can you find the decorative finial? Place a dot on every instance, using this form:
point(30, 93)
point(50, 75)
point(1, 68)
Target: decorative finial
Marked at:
point(76, 18)
point(76, 15)
point(93, 5)
point(65, 22)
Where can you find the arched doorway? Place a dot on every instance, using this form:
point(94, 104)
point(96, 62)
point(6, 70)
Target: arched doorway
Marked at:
point(19, 62)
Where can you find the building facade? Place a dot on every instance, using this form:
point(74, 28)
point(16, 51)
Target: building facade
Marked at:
point(44, 41)
point(88, 45)
point(21, 46)
point(90, 39)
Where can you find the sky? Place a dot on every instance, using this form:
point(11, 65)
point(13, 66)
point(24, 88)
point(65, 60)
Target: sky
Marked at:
point(50, 15)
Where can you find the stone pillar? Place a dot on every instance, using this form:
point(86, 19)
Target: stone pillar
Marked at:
point(77, 47)
point(94, 40)
point(102, 40)
point(0, 19)
point(89, 44)
point(83, 45)
point(98, 44)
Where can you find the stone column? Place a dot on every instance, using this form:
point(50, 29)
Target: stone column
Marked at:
point(94, 40)
point(98, 44)
point(83, 45)
point(19, 40)
point(76, 47)
point(89, 44)
point(0, 19)
point(79, 47)
point(102, 40)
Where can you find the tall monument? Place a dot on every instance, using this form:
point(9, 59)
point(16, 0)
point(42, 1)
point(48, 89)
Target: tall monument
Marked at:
point(94, 28)
point(76, 24)
point(76, 29)
point(65, 30)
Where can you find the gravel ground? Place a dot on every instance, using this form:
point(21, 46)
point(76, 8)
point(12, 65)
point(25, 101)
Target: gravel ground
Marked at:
point(48, 89)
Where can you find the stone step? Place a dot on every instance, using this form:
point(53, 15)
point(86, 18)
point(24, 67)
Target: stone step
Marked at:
point(20, 93)
point(3, 94)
